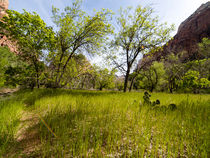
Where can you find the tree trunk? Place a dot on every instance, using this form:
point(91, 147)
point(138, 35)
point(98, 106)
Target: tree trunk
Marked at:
point(170, 86)
point(94, 84)
point(64, 68)
point(32, 85)
point(36, 67)
point(152, 88)
point(126, 80)
point(37, 79)
point(132, 81)
point(171, 90)
point(37, 75)
point(59, 65)
point(82, 86)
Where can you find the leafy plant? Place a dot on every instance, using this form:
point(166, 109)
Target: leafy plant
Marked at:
point(31, 36)
point(77, 32)
point(153, 104)
point(139, 32)
point(147, 100)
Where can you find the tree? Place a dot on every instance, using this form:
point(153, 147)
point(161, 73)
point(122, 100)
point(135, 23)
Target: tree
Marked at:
point(105, 79)
point(13, 71)
point(7, 59)
point(174, 71)
point(193, 81)
point(198, 71)
point(78, 73)
point(21, 74)
point(32, 37)
point(153, 76)
point(204, 48)
point(78, 32)
point(138, 82)
point(119, 83)
point(139, 32)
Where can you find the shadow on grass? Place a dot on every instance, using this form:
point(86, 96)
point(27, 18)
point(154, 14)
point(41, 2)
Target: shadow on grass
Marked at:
point(29, 97)
point(27, 146)
point(71, 130)
point(37, 138)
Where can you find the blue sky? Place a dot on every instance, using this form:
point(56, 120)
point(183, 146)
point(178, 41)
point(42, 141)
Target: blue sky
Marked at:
point(171, 11)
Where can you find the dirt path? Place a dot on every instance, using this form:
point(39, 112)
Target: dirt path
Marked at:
point(7, 91)
point(27, 137)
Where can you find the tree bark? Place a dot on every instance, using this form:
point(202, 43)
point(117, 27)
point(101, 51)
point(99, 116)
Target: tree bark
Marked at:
point(152, 88)
point(132, 81)
point(171, 90)
point(64, 68)
point(37, 79)
point(37, 71)
point(126, 79)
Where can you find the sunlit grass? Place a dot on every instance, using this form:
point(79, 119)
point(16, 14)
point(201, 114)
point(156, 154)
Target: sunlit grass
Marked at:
point(10, 113)
point(113, 124)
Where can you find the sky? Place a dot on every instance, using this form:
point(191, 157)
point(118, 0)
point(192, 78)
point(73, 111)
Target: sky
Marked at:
point(170, 11)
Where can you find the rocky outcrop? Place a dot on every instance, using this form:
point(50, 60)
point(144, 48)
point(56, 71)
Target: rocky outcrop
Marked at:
point(3, 40)
point(189, 34)
point(3, 7)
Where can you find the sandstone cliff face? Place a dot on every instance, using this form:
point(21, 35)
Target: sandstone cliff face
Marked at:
point(189, 34)
point(3, 40)
point(3, 7)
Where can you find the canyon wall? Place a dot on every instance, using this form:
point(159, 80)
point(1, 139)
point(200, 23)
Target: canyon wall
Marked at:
point(190, 33)
point(3, 40)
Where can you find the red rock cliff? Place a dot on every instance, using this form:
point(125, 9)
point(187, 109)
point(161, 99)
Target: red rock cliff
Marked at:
point(3, 7)
point(189, 34)
point(3, 40)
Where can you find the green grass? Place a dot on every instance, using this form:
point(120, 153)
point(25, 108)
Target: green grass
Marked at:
point(108, 124)
point(10, 113)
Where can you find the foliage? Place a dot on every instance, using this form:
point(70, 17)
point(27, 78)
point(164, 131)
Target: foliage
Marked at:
point(78, 32)
point(119, 83)
point(31, 35)
point(139, 32)
point(153, 77)
point(147, 101)
point(78, 73)
point(156, 104)
point(192, 80)
point(7, 59)
point(14, 72)
point(174, 71)
point(204, 48)
point(178, 75)
point(22, 75)
point(105, 79)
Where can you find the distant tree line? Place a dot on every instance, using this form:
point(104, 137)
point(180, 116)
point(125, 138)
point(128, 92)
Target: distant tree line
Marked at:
point(173, 75)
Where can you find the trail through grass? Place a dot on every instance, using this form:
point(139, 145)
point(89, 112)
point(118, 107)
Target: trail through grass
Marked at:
point(65, 123)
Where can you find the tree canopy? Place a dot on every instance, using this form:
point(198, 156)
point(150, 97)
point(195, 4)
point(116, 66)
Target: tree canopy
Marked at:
point(139, 32)
point(78, 32)
point(31, 35)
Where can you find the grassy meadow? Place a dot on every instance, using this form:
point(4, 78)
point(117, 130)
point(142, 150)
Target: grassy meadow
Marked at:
point(71, 123)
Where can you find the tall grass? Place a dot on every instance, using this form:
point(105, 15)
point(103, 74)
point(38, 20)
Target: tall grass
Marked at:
point(10, 113)
point(113, 124)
